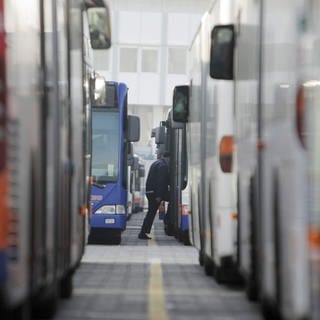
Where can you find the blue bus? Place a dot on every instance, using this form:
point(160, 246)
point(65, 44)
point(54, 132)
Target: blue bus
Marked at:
point(112, 131)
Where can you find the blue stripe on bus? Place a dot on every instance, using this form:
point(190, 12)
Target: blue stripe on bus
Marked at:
point(108, 221)
point(185, 222)
point(3, 269)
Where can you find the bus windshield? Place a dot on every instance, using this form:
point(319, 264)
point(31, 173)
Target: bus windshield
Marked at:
point(105, 146)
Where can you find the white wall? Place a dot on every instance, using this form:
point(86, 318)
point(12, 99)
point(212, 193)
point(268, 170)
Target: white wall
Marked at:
point(163, 28)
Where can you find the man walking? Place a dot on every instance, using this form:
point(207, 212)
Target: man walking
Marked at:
point(156, 191)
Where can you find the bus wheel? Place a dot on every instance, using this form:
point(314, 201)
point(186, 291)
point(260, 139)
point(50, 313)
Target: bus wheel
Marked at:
point(208, 266)
point(169, 229)
point(218, 274)
point(269, 310)
point(201, 259)
point(251, 288)
point(46, 303)
point(20, 312)
point(185, 238)
point(66, 286)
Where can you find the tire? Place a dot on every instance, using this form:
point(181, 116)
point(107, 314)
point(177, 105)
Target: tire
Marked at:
point(277, 242)
point(269, 310)
point(201, 259)
point(208, 266)
point(251, 290)
point(218, 275)
point(185, 238)
point(169, 230)
point(46, 303)
point(66, 286)
point(21, 312)
point(251, 286)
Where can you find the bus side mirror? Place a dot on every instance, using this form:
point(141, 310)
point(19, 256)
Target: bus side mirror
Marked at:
point(180, 104)
point(160, 135)
point(99, 24)
point(133, 128)
point(222, 52)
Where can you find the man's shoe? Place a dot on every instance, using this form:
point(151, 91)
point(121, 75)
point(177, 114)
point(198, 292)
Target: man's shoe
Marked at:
point(143, 236)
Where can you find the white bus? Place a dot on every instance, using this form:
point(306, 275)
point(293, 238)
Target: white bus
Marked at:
point(276, 47)
point(274, 66)
point(210, 129)
point(310, 77)
point(46, 75)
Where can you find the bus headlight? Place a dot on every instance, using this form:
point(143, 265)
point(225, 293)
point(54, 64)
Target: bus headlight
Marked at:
point(120, 209)
point(111, 209)
point(106, 210)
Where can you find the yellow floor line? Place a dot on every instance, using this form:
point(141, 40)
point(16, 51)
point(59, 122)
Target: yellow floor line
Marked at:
point(157, 305)
point(152, 241)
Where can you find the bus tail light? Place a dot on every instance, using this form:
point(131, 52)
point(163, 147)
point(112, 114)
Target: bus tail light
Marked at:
point(234, 216)
point(300, 114)
point(314, 237)
point(226, 153)
point(83, 210)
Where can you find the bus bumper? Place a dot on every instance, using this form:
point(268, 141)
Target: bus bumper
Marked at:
point(109, 221)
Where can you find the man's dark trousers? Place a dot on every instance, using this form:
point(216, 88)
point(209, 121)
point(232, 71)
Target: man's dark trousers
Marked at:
point(153, 206)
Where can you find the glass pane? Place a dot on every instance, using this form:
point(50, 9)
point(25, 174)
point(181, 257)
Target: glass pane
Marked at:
point(105, 146)
point(99, 26)
point(128, 59)
point(149, 61)
point(177, 61)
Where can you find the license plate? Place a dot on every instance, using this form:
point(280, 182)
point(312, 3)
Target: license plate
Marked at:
point(109, 221)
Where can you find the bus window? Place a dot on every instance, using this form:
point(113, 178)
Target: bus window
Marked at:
point(105, 146)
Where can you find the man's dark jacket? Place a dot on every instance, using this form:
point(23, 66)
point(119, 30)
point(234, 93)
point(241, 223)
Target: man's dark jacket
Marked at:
point(158, 180)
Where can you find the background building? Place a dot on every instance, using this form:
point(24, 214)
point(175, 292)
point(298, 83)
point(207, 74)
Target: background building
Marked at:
point(150, 40)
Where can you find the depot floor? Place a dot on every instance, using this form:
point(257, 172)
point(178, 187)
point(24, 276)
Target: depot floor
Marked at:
point(158, 279)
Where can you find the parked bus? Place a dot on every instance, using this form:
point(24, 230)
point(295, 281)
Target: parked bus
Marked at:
point(274, 67)
point(112, 131)
point(176, 220)
point(270, 123)
point(46, 68)
point(136, 191)
point(130, 175)
point(310, 104)
point(312, 140)
point(137, 185)
point(170, 138)
point(210, 129)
